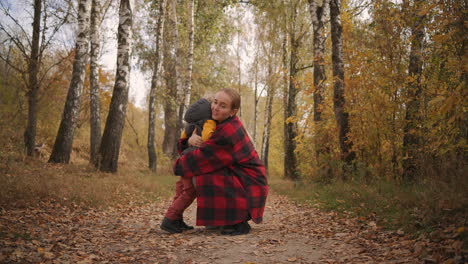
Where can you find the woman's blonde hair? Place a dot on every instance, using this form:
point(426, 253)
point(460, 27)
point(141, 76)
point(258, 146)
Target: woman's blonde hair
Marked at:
point(235, 97)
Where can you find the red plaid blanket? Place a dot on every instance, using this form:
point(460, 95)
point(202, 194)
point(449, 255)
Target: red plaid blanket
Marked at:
point(230, 180)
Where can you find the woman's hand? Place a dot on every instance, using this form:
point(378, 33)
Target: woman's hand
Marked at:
point(195, 140)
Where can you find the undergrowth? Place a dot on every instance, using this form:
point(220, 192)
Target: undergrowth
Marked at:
point(417, 208)
point(31, 180)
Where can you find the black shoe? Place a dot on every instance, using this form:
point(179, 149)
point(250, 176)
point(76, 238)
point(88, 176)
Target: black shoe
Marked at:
point(228, 229)
point(241, 228)
point(171, 226)
point(183, 226)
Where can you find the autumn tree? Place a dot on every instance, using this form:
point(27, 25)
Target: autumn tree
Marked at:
point(112, 136)
point(411, 138)
point(171, 82)
point(318, 12)
point(155, 81)
point(64, 140)
point(341, 115)
point(95, 116)
point(191, 39)
point(296, 33)
point(32, 50)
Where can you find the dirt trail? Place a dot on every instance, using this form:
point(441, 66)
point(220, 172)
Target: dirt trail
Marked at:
point(131, 234)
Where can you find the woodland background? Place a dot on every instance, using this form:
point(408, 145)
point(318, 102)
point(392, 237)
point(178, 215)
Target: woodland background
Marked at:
point(354, 105)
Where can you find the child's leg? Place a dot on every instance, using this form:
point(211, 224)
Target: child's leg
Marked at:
point(179, 189)
point(183, 200)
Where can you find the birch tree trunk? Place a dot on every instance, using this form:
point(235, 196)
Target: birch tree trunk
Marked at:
point(155, 80)
point(318, 15)
point(64, 140)
point(33, 85)
point(178, 75)
point(111, 139)
point(171, 93)
point(347, 155)
point(285, 98)
point(268, 113)
point(239, 69)
point(256, 98)
point(95, 104)
point(191, 34)
point(291, 168)
point(411, 138)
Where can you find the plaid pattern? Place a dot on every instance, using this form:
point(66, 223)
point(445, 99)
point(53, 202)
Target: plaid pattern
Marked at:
point(230, 179)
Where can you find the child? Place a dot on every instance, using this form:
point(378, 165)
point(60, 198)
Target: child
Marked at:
point(198, 117)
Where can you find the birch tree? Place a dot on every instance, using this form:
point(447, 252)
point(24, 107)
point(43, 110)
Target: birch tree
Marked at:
point(347, 154)
point(64, 140)
point(152, 158)
point(191, 34)
point(291, 169)
point(318, 16)
point(285, 84)
point(95, 117)
point(112, 136)
point(257, 95)
point(271, 87)
point(177, 72)
point(170, 95)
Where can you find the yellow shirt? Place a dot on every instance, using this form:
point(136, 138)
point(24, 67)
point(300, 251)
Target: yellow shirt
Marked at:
point(208, 128)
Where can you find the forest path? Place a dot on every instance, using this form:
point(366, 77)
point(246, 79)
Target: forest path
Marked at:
point(130, 234)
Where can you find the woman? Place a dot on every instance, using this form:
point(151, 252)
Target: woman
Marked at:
point(230, 179)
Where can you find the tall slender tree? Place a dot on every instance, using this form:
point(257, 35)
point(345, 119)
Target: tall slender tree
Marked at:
point(30, 133)
point(191, 35)
point(32, 50)
point(155, 80)
point(170, 95)
point(318, 11)
point(256, 94)
point(64, 140)
point(112, 136)
point(95, 105)
point(290, 159)
point(341, 115)
point(271, 86)
point(285, 84)
point(177, 73)
point(411, 138)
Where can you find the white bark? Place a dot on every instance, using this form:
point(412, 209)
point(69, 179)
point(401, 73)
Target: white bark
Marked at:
point(95, 133)
point(111, 139)
point(64, 140)
point(191, 28)
point(152, 158)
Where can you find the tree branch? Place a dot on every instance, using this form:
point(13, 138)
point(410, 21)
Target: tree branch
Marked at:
point(305, 67)
point(7, 61)
point(52, 66)
point(7, 13)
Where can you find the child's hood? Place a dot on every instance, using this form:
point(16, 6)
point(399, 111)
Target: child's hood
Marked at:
point(200, 110)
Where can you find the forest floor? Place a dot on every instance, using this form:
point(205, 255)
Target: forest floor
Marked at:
point(291, 233)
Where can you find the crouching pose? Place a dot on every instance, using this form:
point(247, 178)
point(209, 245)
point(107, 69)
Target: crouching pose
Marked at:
point(230, 180)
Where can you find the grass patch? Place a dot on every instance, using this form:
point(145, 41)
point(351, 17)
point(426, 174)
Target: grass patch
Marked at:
point(30, 181)
point(416, 208)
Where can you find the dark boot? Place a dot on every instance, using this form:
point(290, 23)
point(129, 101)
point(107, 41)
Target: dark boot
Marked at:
point(171, 226)
point(241, 228)
point(183, 226)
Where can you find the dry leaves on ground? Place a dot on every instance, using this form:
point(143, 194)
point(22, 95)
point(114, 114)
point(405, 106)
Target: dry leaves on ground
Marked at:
point(291, 233)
